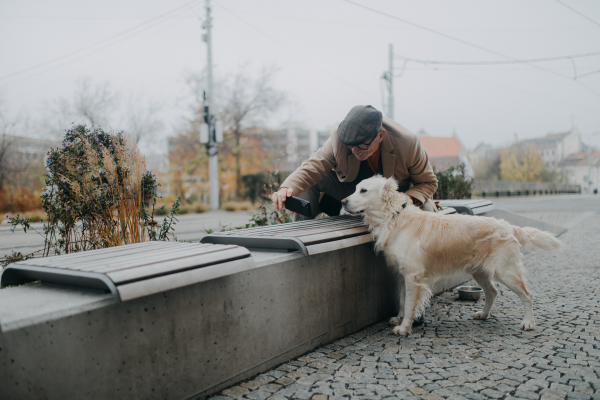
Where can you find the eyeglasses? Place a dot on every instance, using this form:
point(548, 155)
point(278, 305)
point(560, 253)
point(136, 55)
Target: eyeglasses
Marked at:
point(363, 146)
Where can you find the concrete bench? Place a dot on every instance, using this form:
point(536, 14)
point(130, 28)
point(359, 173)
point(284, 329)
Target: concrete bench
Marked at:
point(184, 320)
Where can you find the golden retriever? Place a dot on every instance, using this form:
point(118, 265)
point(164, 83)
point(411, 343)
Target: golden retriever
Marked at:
point(424, 247)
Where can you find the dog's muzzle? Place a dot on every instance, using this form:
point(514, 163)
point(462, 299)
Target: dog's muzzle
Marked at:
point(347, 208)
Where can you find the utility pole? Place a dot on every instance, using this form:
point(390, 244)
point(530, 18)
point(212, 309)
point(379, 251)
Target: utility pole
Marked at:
point(211, 128)
point(388, 77)
point(391, 84)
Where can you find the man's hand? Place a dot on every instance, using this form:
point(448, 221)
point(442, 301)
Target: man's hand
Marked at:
point(409, 200)
point(280, 197)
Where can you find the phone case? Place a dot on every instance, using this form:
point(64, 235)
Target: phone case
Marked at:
point(298, 205)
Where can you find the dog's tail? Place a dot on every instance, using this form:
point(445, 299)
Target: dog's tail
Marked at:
point(531, 239)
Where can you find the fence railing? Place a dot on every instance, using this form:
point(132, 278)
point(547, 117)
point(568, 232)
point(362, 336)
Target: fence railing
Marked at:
point(503, 188)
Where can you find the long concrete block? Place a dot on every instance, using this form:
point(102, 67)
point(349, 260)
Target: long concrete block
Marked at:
point(189, 342)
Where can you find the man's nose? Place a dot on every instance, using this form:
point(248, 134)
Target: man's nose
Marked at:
point(355, 150)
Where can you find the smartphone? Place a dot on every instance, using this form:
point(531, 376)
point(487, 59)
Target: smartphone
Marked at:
point(298, 205)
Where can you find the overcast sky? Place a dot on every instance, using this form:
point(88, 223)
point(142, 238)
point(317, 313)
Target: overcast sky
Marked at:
point(331, 55)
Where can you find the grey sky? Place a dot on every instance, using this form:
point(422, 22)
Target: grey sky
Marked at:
point(331, 55)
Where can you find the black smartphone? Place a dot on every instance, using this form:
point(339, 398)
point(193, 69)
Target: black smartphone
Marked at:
point(298, 205)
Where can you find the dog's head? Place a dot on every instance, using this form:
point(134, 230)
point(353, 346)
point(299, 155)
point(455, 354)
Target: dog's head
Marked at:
point(376, 196)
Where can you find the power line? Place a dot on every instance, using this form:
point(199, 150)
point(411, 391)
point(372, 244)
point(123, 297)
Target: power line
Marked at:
point(523, 61)
point(577, 12)
point(294, 51)
point(519, 90)
point(463, 42)
point(587, 74)
point(150, 21)
point(58, 17)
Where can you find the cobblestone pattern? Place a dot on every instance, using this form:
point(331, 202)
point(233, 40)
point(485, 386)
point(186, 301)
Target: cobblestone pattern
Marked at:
point(456, 357)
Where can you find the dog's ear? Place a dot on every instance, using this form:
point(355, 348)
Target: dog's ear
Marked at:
point(389, 190)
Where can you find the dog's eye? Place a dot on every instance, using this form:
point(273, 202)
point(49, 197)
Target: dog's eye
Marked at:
point(363, 190)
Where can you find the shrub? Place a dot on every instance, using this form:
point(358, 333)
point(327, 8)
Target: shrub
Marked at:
point(98, 194)
point(14, 199)
point(200, 208)
point(229, 207)
point(161, 211)
point(35, 218)
point(260, 185)
point(191, 199)
point(453, 183)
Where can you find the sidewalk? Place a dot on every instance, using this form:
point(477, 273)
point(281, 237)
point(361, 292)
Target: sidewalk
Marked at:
point(454, 356)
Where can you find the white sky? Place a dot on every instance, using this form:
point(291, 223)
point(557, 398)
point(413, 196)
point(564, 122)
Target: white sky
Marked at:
point(331, 55)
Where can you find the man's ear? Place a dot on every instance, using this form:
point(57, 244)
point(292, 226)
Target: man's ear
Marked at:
point(389, 189)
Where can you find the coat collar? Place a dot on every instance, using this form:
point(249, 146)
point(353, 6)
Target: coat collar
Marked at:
point(388, 158)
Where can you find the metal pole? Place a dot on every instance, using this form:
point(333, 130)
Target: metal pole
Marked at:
point(589, 167)
point(213, 167)
point(391, 84)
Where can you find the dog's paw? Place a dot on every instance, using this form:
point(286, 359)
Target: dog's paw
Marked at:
point(527, 324)
point(396, 320)
point(401, 330)
point(480, 315)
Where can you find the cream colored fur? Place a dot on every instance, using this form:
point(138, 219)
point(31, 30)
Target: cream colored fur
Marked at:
point(424, 247)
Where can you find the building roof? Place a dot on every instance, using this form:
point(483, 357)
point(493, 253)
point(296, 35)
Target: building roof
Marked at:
point(437, 147)
point(581, 159)
point(547, 141)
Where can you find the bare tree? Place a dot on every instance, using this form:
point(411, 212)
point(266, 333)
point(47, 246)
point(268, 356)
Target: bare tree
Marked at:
point(143, 119)
point(94, 101)
point(9, 129)
point(90, 104)
point(245, 100)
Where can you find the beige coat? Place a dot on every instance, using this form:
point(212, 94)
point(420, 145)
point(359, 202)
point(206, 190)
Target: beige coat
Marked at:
point(402, 156)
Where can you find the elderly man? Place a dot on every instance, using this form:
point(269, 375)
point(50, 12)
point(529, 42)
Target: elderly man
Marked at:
point(363, 145)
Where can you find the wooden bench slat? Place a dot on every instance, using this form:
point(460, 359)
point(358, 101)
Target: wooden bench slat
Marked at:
point(62, 259)
point(295, 231)
point(339, 244)
point(167, 267)
point(331, 236)
point(92, 256)
point(118, 264)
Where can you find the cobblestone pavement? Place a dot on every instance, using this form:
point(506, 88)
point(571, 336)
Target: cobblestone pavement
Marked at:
point(454, 356)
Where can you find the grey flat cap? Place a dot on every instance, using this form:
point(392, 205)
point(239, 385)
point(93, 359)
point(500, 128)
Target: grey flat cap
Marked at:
point(361, 124)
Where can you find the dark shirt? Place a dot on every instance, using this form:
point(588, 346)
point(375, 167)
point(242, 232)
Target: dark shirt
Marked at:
point(365, 171)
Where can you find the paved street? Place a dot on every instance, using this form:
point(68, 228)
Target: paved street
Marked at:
point(454, 356)
point(538, 204)
point(189, 227)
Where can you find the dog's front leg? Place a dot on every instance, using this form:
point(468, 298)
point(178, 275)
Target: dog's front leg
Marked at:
point(401, 292)
point(413, 292)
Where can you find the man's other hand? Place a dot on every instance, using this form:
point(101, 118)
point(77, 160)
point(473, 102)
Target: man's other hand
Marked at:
point(280, 197)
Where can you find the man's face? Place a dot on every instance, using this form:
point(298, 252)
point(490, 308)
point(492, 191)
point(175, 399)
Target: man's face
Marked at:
point(372, 147)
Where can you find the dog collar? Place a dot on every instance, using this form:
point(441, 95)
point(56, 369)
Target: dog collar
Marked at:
point(403, 207)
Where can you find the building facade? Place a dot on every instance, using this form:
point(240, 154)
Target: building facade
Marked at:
point(583, 169)
point(556, 147)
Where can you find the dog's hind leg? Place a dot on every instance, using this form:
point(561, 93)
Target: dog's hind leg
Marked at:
point(415, 294)
point(490, 293)
point(514, 278)
point(401, 296)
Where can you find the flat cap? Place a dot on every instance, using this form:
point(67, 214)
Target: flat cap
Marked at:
point(361, 124)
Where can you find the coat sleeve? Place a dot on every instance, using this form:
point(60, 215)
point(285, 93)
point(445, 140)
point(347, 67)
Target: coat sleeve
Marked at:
point(421, 173)
point(312, 170)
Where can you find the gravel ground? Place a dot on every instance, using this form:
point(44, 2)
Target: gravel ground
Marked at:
point(454, 356)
